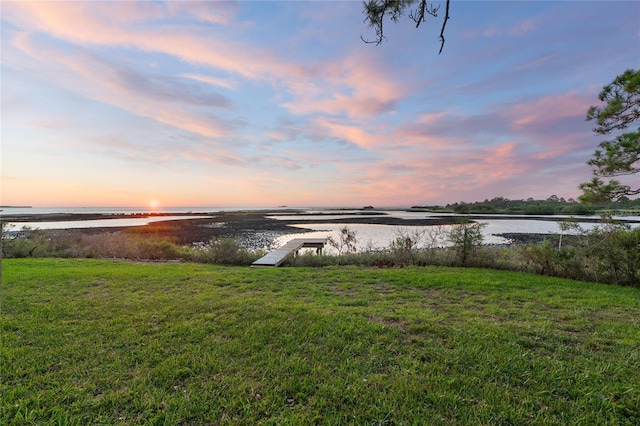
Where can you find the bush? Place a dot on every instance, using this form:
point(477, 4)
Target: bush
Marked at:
point(121, 246)
point(25, 242)
point(60, 243)
point(225, 251)
point(157, 249)
point(466, 238)
point(612, 254)
point(609, 253)
point(346, 241)
point(408, 245)
point(548, 260)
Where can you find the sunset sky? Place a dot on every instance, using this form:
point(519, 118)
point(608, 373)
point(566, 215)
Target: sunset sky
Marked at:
point(260, 103)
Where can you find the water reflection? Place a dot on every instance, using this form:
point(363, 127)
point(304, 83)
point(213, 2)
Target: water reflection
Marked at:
point(381, 236)
point(376, 237)
point(97, 223)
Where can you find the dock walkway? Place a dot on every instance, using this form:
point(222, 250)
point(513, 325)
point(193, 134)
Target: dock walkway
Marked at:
point(276, 257)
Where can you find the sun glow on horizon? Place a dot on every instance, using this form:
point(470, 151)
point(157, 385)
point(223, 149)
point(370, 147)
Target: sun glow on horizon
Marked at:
point(154, 204)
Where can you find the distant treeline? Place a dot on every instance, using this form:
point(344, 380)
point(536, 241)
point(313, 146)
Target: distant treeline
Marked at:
point(550, 206)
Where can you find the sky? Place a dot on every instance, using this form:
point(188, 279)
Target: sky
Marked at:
point(272, 103)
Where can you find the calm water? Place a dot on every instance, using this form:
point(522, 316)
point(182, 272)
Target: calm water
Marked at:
point(97, 223)
point(107, 223)
point(123, 210)
point(381, 236)
point(368, 236)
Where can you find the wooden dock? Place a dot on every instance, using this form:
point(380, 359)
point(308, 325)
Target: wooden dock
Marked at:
point(276, 257)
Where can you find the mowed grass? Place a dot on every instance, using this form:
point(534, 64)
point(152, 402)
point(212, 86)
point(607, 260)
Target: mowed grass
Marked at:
point(113, 342)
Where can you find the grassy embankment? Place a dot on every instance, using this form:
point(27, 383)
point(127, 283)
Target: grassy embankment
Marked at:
point(86, 342)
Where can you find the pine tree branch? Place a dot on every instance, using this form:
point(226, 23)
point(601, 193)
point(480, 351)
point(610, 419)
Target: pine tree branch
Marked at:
point(444, 24)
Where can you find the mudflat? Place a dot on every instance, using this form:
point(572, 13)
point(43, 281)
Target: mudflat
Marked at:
point(249, 226)
point(253, 228)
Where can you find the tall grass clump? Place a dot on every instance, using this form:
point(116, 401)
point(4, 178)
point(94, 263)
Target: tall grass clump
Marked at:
point(116, 246)
point(29, 242)
point(223, 251)
point(24, 242)
point(133, 245)
point(609, 253)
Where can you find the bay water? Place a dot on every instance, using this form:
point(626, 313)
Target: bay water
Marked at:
point(368, 236)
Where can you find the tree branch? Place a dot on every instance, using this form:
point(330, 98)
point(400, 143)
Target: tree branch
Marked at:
point(444, 24)
point(433, 11)
point(376, 10)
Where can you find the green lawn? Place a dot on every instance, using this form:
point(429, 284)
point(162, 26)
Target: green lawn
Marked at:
point(104, 342)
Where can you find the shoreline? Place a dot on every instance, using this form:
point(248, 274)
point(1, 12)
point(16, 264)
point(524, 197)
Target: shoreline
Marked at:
point(256, 229)
point(366, 217)
point(252, 229)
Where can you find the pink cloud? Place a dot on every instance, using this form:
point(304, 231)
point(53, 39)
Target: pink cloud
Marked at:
point(356, 85)
point(462, 150)
point(547, 110)
point(354, 134)
point(551, 153)
point(439, 175)
point(220, 82)
point(431, 117)
point(484, 166)
point(423, 133)
point(99, 81)
point(82, 23)
point(215, 12)
point(97, 21)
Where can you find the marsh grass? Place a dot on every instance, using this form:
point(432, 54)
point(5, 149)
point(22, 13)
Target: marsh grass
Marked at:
point(608, 253)
point(114, 342)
